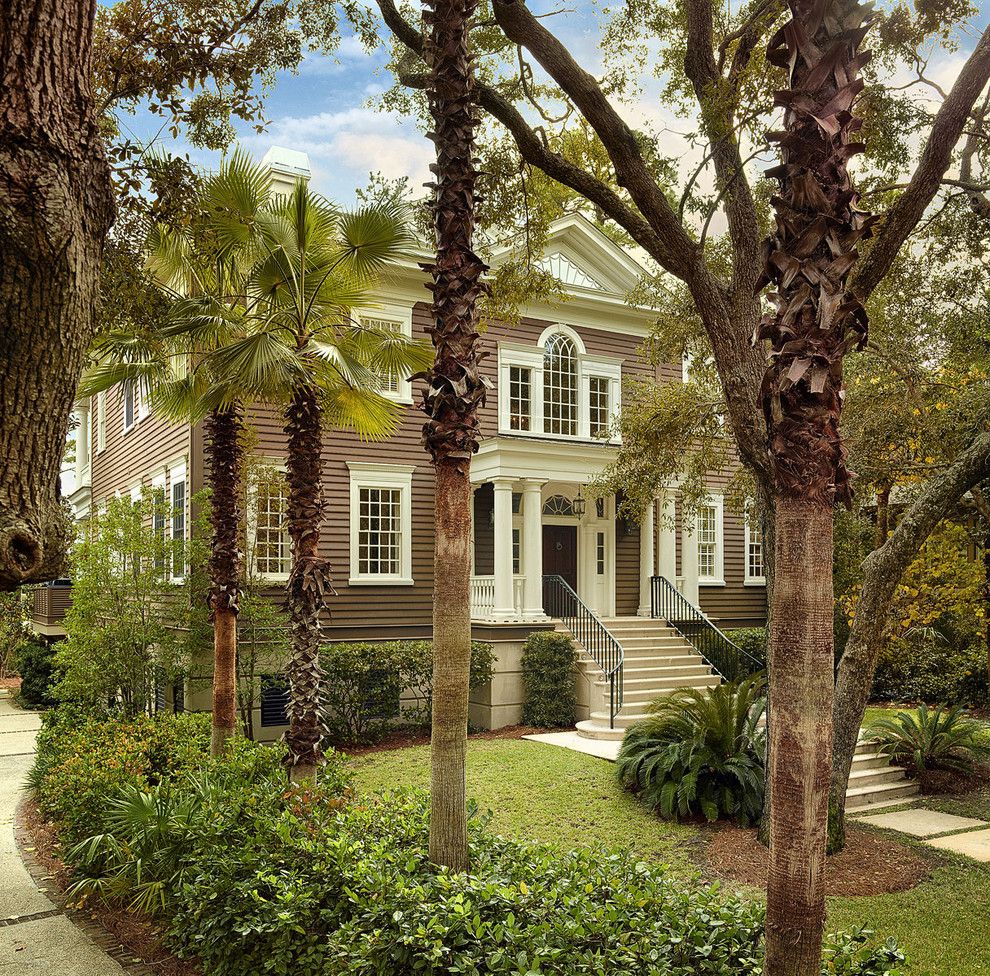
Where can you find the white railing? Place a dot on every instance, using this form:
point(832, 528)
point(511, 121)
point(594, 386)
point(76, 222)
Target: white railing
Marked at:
point(483, 597)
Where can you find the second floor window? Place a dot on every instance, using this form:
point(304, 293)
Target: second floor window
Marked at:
point(178, 525)
point(707, 535)
point(271, 535)
point(520, 397)
point(560, 386)
point(380, 532)
point(599, 414)
point(130, 405)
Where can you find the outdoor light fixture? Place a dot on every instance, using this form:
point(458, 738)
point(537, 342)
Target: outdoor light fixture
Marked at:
point(578, 504)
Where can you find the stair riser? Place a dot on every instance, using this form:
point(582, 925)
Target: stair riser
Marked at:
point(892, 795)
point(873, 777)
point(648, 661)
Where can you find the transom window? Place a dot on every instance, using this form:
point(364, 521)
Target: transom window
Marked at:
point(272, 545)
point(558, 505)
point(560, 386)
point(380, 532)
point(520, 397)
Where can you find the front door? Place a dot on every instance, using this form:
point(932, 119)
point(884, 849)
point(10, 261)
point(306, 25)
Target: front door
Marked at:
point(560, 552)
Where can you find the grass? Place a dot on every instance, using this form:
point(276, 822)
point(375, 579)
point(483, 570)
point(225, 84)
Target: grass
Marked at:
point(544, 793)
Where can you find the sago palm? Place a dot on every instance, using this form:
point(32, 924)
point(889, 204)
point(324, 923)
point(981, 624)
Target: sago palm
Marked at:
point(301, 346)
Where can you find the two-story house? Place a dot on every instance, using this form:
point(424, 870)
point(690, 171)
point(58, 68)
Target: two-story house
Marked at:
point(558, 382)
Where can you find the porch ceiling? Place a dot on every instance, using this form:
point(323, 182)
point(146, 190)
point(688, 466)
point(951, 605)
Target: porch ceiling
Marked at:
point(543, 458)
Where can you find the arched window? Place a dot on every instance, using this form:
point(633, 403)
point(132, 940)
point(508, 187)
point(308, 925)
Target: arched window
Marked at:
point(558, 505)
point(560, 386)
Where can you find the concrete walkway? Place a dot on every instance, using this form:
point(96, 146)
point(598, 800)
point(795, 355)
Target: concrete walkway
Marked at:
point(961, 835)
point(36, 937)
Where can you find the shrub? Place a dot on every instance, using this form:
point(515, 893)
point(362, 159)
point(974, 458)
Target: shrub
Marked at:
point(366, 681)
point(548, 678)
point(942, 738)
point(930, 666)
point(36, 666)
point(753, 640)
point(700, 752)
point(81, 761)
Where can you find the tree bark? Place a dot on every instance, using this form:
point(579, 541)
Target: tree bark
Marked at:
point(56, 206)
point(800, 736)
point(309, 582)
point(882, 571)
point(451, 664)
point(455, 392)
point(224, 451)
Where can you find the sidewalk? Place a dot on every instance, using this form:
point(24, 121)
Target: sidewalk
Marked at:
point(36, 937)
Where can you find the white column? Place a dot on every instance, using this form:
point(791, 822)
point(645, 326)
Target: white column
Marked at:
point(503, 608)
point(646, 548)
point(689, 559)
point(667, 546)
point(532, 555)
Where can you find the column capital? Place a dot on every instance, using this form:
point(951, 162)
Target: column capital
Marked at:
point(503, 481)
point(533, 484)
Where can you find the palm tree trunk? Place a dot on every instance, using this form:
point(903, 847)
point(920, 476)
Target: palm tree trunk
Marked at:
point(225, 457)
point(800, 735)
point(454, 394)
point(815, 322)
point(309, 582)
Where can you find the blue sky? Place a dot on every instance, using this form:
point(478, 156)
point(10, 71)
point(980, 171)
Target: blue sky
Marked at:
point(328, 109)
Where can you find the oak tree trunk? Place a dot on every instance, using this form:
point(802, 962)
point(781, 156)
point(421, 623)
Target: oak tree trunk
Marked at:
point(56, 206)
point(309, 582)
point(455, 391)
point(224, 452)
point(882, 572)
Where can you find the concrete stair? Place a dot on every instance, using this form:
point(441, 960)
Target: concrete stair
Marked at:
point(658, 661)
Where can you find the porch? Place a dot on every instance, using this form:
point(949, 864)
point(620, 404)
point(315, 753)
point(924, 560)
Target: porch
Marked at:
point(533, 516)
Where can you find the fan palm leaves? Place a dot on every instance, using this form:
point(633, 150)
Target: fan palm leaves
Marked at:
point(700, 752)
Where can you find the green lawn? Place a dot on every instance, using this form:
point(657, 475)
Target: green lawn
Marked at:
point(545, 793)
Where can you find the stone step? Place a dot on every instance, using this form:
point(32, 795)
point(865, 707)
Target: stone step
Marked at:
point(594, 730)
point(876, 774)
point(630, 644)
point(644, 677)
point(644, 660)
point(860, 797)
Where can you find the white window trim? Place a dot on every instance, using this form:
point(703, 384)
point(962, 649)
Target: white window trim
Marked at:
point(251, 527)
point(402, 316)
point(141, 409)
point(718, 503)
point(372, 475)
point(748, 533)
point(531, 357)
point(177, 473)
point(101, 422)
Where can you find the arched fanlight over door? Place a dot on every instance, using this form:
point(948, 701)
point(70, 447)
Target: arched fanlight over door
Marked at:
point(558, 505)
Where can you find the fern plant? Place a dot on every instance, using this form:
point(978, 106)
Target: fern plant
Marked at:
point(939, 738)
point(700, 752)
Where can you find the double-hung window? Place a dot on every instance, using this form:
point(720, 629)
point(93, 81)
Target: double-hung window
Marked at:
point(394, 319)
point(708, 538)
point(178, 496)
point(270, 545)
point(520, 397)
point(560, 386)
point(599, 413)
point(755, 570)
point(159, 519)
point(381, 523)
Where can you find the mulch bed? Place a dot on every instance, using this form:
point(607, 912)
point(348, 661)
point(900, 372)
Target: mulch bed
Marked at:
point(136, 933)
point(13, 684)
point(405, 738)
point(870, 864)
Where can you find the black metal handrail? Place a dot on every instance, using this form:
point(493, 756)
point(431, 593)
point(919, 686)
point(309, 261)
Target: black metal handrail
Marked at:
point(727, 658)
point(562, 603)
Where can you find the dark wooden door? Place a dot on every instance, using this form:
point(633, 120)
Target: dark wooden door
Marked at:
point(560, 552)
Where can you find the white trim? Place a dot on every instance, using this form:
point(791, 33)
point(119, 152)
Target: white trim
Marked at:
point(559, 328)
point(101, 422)
point(717, 502)
point(748, 533)
point(400, 315)
point(177, 475)
point(367, 474)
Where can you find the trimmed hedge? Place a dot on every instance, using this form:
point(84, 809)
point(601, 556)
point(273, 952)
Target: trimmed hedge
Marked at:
point(35, 660)
point(924, 667)
point(366, 681)
point(548, 662)
point(753, 640)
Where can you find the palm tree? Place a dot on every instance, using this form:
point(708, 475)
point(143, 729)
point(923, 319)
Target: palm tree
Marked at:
point(262, 296)
point(206, 262)
point(454, 394)
point(302, 347)
point(815, 321)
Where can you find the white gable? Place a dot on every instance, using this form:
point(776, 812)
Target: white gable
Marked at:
point(566, 271)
